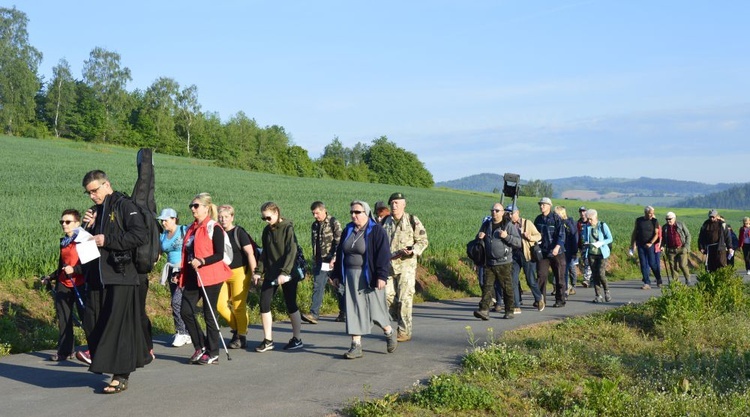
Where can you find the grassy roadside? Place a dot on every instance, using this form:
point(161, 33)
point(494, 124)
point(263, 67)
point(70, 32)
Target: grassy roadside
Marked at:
point(685, 353)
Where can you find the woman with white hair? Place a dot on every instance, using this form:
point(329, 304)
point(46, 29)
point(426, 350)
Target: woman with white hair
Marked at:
point(596, 240)
point(363, 264)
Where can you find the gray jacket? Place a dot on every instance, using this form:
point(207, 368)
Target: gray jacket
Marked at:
point(499, 251)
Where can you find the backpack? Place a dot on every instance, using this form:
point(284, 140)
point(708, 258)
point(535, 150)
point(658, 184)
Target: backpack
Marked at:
point(300, 264)
point(475, 251)
point(228, 252)
point(610, 231)
point(256, 250)
point(146, 255)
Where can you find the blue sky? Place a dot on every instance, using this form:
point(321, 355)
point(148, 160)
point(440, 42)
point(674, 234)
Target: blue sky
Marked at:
point(546, 89)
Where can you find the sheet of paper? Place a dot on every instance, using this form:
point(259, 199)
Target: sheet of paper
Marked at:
point(87, 251)
point(325, 266)
point(597, 244)
point(83, 235)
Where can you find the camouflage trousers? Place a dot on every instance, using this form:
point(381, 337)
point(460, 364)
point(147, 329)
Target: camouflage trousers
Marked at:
point(399, 294)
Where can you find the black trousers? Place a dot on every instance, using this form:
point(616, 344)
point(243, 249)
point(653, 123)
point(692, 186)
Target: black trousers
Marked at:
point(145, 322)
point(65, 300)
point(189, 308)
point(558, 270)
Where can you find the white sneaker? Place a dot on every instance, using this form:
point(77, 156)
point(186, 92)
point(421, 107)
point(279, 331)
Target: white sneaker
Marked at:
point(748, 271)
point(181, 340)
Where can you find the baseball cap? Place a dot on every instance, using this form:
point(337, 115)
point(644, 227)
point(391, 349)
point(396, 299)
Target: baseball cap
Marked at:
point(670, 215)
point(713, 213)
point(396, 196)
point(582, 208)
point(167, 213)
point(511, 208)
point(380, 205)
point(545, 200)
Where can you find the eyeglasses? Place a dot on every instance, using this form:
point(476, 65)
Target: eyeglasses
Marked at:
point(266, 218)
point(66, 221)
point(356, 212)
point(495, 211)
point(94, 191)
point(194, 206)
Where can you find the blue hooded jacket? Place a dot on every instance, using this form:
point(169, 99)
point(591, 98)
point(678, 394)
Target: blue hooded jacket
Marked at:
point(377, 258)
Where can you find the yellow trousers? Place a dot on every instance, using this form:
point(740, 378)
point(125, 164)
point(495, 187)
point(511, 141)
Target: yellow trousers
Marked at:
point(232, 305)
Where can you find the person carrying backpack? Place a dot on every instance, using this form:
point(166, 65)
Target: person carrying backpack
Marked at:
point(596, 240)
point(325, 236)
point(232, 304)
point(202, 275)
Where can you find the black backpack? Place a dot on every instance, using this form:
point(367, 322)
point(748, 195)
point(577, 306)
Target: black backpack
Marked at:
point(475, 251)
point(146, 255)
point(256, 249)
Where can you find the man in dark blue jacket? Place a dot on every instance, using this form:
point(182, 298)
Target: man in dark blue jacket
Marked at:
point(550, 225)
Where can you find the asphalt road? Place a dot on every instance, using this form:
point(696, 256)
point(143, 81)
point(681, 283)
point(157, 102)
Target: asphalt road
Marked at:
point(313, 381)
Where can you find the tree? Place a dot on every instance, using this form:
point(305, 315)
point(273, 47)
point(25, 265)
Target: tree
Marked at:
point(159, 107)
point(61, 98)
point(103, 73)
point(188, 108)
point(536, 188)
point(19, 62)
point(390, 164)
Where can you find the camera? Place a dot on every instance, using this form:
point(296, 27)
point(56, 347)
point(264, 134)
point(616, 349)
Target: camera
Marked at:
point(120, 259)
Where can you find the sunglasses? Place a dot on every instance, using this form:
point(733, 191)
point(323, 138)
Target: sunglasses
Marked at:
point(66, 221)
point(266, 218)
point(194, 206)
point(495, 211)
point(356, 212)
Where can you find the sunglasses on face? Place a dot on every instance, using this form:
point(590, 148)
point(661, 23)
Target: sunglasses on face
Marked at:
point(495, 211)
point(356, 212)
point(266, 218)
point(66, 221)
point(194, 206)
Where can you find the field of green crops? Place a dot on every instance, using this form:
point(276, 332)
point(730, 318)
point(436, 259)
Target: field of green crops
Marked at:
point(40, 178)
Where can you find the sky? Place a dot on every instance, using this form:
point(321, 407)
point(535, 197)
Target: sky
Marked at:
point(546, 89)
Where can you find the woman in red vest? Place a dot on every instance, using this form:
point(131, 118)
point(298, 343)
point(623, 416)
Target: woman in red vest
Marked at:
point(69, 288)
point(203, 266)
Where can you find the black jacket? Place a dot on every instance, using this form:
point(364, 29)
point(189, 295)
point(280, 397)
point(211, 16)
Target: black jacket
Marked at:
point(123, 228)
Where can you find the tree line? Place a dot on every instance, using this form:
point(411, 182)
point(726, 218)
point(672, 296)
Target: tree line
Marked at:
point(168, 117)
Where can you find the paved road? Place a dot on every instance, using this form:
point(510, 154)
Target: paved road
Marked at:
point(314, 381)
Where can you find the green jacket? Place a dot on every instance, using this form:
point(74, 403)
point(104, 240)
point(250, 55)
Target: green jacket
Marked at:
point(279, 250)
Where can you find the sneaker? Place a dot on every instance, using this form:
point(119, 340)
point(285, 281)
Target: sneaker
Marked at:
point(607, 296)
point(508, 316)
point(585, 284)
point(748, 272)
point(391, 341)
point(84, 356)
point(309, 318)
point(181, 340)
point(293, 344)
point(540, 305)
point(207, 359)
point(598, 299)
point(559, 304)
point(341, 318)
point(355, 351)
point(239, 343)
point(197, 355)
point(264, 346)
point(571, 291)
point(484, 315)
point(646, 287)
point(516, 311)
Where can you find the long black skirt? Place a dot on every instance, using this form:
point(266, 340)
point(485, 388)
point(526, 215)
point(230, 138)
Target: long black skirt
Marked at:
point(117, 344)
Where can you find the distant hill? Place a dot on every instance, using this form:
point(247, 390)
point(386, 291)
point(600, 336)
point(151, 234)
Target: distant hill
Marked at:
point(644, 190)
point(737, 197)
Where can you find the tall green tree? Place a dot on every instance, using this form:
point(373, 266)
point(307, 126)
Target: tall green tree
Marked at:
point(188, 110)
point(19, 62)
point(536, 188)
point(104, 74)
point(61, 98)
point(390, 164)
point(159, 108)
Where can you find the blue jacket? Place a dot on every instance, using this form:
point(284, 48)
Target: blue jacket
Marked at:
point(377, 259)
point(605, 237)
point(571, 238)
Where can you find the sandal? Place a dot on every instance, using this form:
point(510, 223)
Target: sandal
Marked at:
point(120, 386)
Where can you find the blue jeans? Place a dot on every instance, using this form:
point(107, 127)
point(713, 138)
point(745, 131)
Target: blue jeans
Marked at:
point(649, 261)
point(529, 269)
point(320, 279)
point(571, 271)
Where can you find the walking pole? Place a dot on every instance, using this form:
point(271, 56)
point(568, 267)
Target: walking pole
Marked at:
point(211, 309)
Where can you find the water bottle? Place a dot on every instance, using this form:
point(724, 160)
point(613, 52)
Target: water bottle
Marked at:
point(630, 252)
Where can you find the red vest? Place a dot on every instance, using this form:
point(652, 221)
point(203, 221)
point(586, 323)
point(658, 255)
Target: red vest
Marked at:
point(69, 256)
point(203, 247)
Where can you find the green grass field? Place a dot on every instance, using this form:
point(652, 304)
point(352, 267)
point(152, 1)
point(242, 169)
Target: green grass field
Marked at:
point(43, 177)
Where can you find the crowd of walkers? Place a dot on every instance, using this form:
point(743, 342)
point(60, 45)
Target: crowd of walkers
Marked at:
point(369, 264)
point(211, 264)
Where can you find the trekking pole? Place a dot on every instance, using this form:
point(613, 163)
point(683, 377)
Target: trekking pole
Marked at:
point(211, 309)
